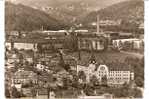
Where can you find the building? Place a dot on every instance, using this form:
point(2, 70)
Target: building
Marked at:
point(12, 58)
point(40, 67)
point(104, 96)
point(12, 34)
point(24, 77)
point(72, 61)
point(125, 35)
point(114, 74)
point(19, 45)
point(91, 42)
point(107, 23)
point(68, 60)
point(111, 36)
point(117, 35)
point(134, 43)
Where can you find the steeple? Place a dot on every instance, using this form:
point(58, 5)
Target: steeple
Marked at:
point(92, 58)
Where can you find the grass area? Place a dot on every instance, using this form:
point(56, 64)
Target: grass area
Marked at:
point(107, 56)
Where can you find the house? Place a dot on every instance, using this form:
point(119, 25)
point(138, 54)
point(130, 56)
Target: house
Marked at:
point(68, 60)
point(26, 46)
point(125, 35)
point(39, 66)
point(104, 96)
point(72, 61)
point(18, 86)
point(110, 22)
point(24, 77)
point(114, 74)
point(107, 23)
point(12, 58)
point(141, 26)
point(27, 56)
point(12, 33)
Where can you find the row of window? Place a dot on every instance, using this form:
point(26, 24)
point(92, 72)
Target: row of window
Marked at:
point(111, 75)
point(90, 44)
point(24, 81)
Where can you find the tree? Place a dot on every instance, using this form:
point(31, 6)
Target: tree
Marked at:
point(65, 83)
point(137, 93)
point(139, 81)
point(7, 93)
point(82, 75)
point(89, 90)
point(15, 93)
point(138, 66)
point(104, 80)
point(21, 58)
point(94, 80)
point(71, 42)
point(39, 47)
point(75, 81)
point(67, 67)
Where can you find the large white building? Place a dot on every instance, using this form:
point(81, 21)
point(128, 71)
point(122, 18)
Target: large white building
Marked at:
point(136, 43)
point(18, 45)
point(115, 74)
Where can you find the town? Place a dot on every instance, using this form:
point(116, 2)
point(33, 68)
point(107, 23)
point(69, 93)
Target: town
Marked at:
point(103, 59)
point(75, 62)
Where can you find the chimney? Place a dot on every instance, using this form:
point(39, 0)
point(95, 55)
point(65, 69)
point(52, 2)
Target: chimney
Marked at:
point(98, 28)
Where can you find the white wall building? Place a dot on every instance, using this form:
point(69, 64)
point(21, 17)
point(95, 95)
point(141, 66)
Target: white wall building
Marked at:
point(25, 46)
point(116, 75)
point(136, 43)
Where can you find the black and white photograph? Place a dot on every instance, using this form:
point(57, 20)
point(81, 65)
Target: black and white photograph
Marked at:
point(74, 49)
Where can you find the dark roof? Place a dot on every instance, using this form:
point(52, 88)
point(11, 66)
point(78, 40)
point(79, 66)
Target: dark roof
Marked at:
point(113, 66)
point(24, 74)
point(25, 40)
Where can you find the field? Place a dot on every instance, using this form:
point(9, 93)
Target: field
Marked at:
point(106, 56)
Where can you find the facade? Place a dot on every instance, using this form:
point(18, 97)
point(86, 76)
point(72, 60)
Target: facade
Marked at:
point(12, 58)
point(107, 23)
point(19, 45)
point(23, 77)
point(68, 60)
point(114, 75)
point(135, 43)
point(40, 67)
point(91, 43)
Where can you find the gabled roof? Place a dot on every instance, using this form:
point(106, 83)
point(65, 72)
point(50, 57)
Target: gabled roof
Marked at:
point(24, 74)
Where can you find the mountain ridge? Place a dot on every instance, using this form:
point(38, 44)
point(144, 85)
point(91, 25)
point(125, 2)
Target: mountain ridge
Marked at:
point(20, 17)
point(127, 10)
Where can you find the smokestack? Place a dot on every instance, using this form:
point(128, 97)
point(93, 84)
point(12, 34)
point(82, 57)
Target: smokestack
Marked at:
point(98, 28)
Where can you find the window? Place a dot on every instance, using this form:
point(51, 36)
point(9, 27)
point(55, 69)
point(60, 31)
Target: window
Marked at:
point(102, 68)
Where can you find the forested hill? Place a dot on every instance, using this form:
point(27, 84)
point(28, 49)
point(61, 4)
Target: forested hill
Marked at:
point(131, 10)
point(20, 17)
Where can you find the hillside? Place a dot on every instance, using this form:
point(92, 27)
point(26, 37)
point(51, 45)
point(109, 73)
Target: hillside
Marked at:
point(20, 17)
point(132, 10)
point(91, 4)
point(67, 10)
